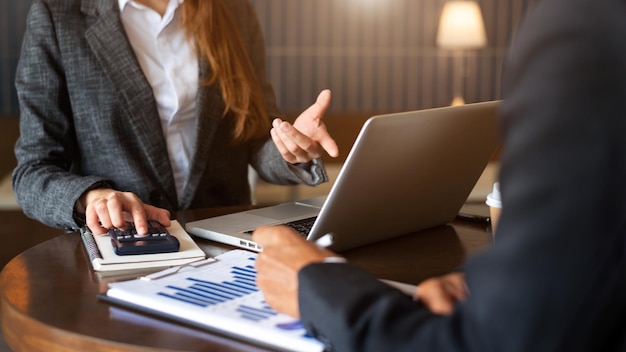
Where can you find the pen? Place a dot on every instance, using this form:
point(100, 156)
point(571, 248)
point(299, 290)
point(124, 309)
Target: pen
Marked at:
point(473, 218)
point(325, 241)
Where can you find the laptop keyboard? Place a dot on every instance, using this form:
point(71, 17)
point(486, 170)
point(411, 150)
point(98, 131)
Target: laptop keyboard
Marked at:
point(302, 226)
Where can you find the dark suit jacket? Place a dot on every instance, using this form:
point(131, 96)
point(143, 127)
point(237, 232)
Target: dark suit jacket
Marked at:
point(88, 116)
point(555, 279)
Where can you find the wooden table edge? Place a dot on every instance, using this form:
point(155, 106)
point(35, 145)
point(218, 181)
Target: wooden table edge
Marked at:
point(50, 338)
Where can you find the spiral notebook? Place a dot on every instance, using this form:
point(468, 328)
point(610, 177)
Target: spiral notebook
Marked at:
point(103, 258)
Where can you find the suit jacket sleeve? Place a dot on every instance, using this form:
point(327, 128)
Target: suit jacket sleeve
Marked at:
point(46, 150)
point(555, 278)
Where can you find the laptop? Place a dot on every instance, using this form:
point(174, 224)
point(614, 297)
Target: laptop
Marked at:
point(406, 172)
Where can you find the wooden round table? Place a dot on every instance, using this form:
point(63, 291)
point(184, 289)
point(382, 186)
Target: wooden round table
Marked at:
point(49, 292)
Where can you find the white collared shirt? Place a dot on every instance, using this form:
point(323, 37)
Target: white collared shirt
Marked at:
point(170, 65)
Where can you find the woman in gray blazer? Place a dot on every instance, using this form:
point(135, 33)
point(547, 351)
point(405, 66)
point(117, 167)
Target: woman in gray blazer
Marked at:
point(148, 107)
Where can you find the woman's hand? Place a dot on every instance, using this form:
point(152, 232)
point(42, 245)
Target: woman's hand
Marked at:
point(107, 208)
point(306, 139)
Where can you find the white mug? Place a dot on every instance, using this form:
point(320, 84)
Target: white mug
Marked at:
point(495, 206)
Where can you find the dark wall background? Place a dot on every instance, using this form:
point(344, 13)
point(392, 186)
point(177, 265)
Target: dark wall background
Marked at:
point(376, 55)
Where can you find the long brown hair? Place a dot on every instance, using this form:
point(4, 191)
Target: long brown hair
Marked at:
point(212, 26)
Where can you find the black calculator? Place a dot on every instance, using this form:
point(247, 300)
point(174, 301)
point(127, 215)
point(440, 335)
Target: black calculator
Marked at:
point(158, 240)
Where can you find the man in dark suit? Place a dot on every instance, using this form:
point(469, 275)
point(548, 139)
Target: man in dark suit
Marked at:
point(555, 280)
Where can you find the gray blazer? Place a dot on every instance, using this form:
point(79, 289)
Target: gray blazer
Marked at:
point(88, 117)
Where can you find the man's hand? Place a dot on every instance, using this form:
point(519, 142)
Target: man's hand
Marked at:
point(107, 208)
point(284, 253)
point(305, 140)
point(440, 294)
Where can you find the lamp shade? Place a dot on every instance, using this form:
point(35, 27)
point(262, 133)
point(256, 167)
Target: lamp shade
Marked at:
point(461, 26)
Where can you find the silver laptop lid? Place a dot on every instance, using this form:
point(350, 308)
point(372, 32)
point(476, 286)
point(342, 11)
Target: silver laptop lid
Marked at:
point(407, 172)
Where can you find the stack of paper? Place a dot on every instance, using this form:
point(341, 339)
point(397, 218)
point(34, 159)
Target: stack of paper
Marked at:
point(218, 294)
point(103, 258)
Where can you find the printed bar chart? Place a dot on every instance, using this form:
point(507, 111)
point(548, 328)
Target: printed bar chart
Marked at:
point(205, 293)
point(221, 295)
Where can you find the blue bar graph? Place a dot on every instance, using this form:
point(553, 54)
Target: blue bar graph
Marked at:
point(220, 294)
point(256, 314)
point(205, 293)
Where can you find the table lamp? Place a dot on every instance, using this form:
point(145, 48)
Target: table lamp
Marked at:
point(461, 28)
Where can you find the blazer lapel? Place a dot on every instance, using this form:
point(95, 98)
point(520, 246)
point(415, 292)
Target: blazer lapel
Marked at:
point(209, 110)
point(109, 43)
